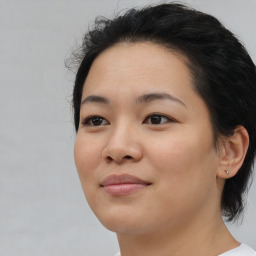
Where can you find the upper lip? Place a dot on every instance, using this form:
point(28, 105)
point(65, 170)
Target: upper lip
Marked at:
point(115, 179)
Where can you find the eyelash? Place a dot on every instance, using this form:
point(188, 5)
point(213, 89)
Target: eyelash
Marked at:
point(88, 120)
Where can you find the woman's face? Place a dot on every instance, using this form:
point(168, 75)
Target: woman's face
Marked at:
point(144, 149)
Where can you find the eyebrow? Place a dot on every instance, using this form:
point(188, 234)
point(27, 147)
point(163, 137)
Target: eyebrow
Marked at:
point(96, 99)
point(145, 98)
point(158, 96)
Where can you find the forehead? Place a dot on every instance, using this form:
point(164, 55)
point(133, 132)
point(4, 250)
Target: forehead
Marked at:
point(141, 65)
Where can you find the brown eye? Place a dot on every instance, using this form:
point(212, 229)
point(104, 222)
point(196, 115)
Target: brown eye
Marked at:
point(95, 121)
point(156, 119)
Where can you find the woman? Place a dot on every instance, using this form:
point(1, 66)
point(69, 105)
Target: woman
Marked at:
point(165, 114)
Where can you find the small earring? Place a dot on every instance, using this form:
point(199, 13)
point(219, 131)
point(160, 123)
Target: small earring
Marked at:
point(227, 172)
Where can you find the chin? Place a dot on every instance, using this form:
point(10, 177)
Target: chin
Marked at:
point(125, 228)
point(122, 222)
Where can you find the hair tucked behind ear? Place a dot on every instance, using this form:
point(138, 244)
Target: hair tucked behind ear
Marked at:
point(223, 72)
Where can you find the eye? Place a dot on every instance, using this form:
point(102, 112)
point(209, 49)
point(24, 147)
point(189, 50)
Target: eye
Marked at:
point(156, 119)
point(94, 121)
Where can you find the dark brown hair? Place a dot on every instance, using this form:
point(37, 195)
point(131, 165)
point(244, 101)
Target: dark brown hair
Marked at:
point(223, 72)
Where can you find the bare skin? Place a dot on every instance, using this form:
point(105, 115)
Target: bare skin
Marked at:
point(141, 117)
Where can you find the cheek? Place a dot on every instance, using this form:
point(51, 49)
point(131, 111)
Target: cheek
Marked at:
point(183, 158)
point(87, 157)
point(168, 153)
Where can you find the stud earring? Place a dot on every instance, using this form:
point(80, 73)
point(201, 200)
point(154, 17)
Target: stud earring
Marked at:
point(227, 172)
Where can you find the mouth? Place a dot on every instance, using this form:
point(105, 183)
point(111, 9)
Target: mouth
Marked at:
point(124, 184)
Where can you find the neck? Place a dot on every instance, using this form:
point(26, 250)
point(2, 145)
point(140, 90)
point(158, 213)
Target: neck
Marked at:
point(199, 238)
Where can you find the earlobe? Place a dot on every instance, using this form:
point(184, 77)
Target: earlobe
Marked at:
point(233, 152)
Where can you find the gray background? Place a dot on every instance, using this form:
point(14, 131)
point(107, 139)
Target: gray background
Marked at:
point(43, 210)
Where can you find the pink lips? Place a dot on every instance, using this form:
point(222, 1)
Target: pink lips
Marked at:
point(124, 184)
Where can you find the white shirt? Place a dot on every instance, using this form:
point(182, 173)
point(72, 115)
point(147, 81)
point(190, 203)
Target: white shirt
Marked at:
point(242, 250)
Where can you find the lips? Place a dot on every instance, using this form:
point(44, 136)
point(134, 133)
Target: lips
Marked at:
point(118, 185)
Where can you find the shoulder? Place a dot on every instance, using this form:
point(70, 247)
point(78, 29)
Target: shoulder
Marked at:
point(242, 250)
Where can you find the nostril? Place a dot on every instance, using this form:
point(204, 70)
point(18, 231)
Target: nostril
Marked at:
point(109, 158)
point(117, 158)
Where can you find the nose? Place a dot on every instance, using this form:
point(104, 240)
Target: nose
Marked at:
point(122, 145)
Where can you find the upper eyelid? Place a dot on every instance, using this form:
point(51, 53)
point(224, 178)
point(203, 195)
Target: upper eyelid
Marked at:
point(162, 115)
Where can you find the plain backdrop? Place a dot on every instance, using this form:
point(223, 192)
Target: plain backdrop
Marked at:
point(43, 210)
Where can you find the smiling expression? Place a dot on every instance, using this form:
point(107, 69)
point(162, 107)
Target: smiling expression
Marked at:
point(144, 150)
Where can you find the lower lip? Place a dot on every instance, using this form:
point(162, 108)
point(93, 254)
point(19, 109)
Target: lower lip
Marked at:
point(123, 189)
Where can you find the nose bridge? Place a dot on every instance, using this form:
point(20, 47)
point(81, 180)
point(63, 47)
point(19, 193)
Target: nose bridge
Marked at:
point(121, 132)
point(122, 143)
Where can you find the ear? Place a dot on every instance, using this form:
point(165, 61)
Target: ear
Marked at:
point(233, 150)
